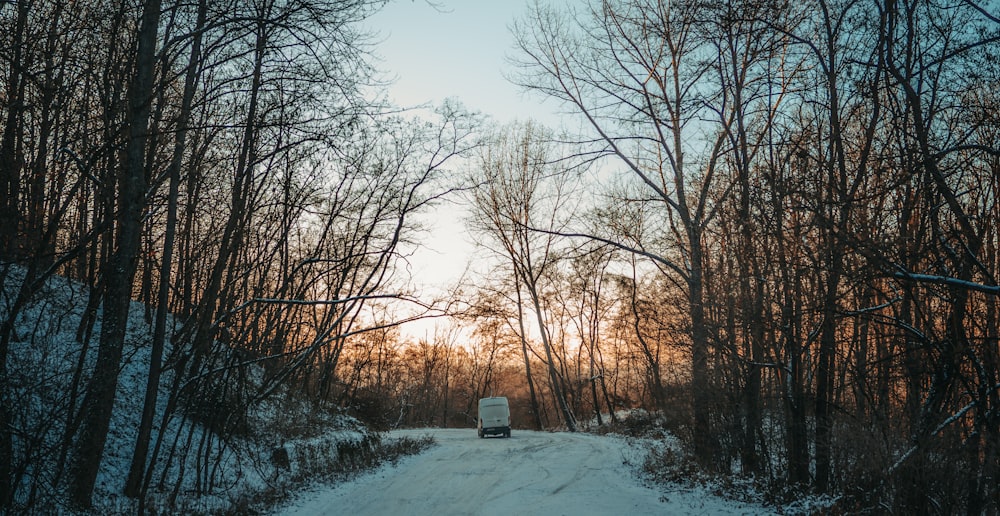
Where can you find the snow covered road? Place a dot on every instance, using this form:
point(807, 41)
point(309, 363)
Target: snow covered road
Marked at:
point(529, 473)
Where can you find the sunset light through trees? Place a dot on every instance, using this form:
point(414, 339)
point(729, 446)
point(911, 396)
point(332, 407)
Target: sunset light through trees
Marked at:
point(768, 231)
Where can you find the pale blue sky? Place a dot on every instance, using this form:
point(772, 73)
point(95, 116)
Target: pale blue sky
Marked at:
point(456, 50)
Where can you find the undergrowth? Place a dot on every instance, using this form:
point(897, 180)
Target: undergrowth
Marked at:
point(670, 465)
point(315, 464)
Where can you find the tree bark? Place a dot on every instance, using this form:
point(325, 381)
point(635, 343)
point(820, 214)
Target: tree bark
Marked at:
point(554, 378)
point(119, 271)
point(9, 214)
point(133, 483)
point(535, 409)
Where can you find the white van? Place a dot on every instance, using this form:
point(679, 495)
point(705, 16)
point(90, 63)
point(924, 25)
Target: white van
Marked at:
point(494, 416)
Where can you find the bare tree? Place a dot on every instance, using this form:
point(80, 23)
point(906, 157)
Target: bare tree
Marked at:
point(634, 70)
point(589, 311)
point(133, 483)
point(518, 190)
point(120, 270)
point(500, 327)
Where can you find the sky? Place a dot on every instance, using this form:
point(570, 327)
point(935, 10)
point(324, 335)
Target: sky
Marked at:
point(453, 49)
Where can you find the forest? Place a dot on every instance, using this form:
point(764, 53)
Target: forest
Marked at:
point(774, 230)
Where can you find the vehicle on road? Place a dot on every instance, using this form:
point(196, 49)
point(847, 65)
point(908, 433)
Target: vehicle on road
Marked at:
point(494, 416)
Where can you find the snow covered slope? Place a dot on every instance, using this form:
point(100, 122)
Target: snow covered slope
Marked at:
point(45, 358)
point(530, 473)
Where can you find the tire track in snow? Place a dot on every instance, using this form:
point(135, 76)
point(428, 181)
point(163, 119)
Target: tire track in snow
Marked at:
point(529, 473)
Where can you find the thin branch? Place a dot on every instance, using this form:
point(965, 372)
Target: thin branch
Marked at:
point(944, 424)
point(618, 245)
point(945, 280)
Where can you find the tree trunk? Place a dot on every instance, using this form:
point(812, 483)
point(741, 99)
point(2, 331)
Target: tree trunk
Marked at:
point(793, 393)
point(9, 188)
point(653, 377)
point(232, 235)
point(10, 161)
point(824, 384)
point(704, 436)
point(535, 411)
point(133, 483)
point(593, 387)
point(557, 387)
point(120, 271)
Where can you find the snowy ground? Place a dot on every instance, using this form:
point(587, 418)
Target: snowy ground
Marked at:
point(530, 473)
